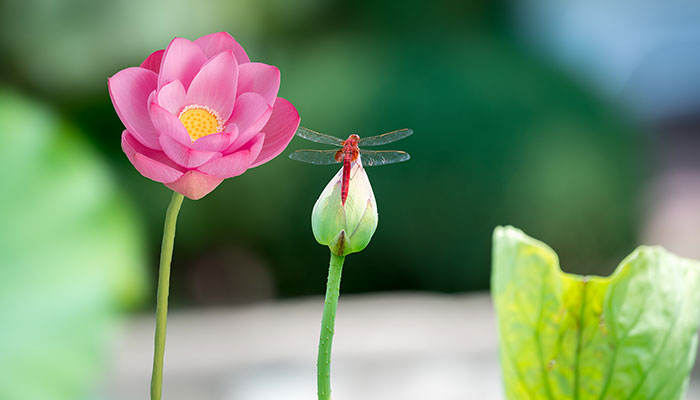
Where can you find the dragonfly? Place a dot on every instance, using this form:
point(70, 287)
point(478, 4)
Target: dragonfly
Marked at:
point(350, 151)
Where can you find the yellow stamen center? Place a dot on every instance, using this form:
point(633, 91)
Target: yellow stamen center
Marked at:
point(200, 121)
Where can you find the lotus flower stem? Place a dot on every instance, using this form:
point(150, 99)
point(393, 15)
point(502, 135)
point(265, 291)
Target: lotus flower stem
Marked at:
point(328, 327)
point(166, 255)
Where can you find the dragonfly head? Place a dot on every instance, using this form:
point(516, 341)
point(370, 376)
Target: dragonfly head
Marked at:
point(353, 139)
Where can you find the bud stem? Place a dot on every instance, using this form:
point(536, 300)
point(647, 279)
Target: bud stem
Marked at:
point(166, 255)
point(328, 327)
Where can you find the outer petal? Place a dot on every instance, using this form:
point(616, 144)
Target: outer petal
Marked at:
point(216, 43)
point(215, 84)
point(217, 141)
point(130, 89)
point(236, 163)
point(194, 184)
point(250, 113)
point(259, 78)
point(184, 155)
point(168, 124)
point(153, 61)
point(171, 96)
point(181, 60)
point(152, 164)
point(279, 130)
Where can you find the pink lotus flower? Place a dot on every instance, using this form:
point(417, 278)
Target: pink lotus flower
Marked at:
point(199, 112)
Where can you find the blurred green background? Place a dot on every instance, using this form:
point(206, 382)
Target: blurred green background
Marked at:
point(503, 135)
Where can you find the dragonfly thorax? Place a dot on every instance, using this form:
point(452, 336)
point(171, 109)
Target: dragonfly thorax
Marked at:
point(349, 153)
point(350, 150)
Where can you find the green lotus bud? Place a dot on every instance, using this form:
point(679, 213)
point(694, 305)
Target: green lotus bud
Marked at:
point(346, 228)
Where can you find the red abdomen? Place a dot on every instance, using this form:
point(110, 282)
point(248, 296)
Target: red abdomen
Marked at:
point(346, 179)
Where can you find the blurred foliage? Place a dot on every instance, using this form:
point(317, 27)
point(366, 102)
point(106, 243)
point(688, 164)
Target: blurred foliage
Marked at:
point(71, 255)
point(632, 335)
point(501, 136)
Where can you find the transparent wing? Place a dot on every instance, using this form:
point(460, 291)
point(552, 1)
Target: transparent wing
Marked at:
point(318, 137)
point(318, 157)
point(386, 137)
point(372, 158)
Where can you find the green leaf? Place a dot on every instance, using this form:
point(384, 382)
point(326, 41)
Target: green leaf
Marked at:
point(71, 255)
point(632, 335)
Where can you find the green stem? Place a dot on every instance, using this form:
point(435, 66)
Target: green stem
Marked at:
point(166, 255)
point(327, 327)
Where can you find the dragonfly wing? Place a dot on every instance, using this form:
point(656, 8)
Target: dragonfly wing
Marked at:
point(318, 137)
point(386, 137)
point(372, 158)
point(318, 157)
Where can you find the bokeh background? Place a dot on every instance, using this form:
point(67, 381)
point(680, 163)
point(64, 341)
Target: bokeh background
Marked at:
point(576, 121)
